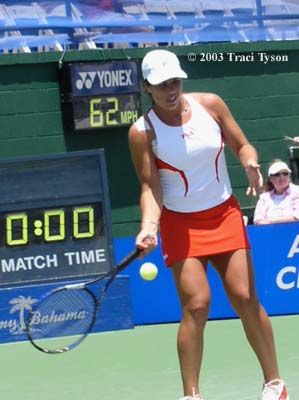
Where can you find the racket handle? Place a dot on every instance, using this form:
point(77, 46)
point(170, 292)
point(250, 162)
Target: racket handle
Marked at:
point(128, 259)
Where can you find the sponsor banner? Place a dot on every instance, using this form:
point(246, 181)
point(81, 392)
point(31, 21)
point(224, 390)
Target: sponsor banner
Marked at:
point(275, 253)
point(131, 300)
point(104, 78)
point(15, 303)
point(278, 258)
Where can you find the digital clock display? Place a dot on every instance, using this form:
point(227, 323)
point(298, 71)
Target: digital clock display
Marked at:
point(99, 95)
point(54, 218)
point(52, 225)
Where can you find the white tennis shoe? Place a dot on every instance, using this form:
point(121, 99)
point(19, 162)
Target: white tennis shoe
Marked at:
point(275, 390)
point(197, 397)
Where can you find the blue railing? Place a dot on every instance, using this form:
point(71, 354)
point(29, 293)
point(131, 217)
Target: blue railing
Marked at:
point(88, 24)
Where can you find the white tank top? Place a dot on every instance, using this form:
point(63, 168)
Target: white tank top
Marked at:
point(190, 160)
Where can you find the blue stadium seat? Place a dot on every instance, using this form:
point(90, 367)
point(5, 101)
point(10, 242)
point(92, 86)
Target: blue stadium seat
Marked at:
point(83, 24)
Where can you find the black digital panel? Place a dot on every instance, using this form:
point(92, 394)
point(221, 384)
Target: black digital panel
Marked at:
point(105, 111)
point(99, 95)
point(54, 218)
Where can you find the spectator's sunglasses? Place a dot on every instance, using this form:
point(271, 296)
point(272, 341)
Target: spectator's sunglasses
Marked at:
point(280, 173)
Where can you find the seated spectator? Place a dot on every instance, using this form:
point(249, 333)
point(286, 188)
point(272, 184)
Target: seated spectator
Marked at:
point(280, 201)
point(95, 10)
point(99, 12)
point(92, 9)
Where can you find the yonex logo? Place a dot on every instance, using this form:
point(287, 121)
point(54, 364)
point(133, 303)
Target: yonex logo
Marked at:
point(104, 79)
point(86, 80)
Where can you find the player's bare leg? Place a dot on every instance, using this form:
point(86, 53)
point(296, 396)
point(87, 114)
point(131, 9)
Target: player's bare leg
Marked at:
point(236, 271)
point(194, 293)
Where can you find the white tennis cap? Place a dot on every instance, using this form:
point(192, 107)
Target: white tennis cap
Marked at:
point(277, 167)
point(160, 65)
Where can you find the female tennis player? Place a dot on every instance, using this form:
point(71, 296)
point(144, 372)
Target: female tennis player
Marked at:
point(177, 150)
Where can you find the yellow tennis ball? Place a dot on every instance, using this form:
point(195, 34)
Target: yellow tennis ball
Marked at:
point(148, 271)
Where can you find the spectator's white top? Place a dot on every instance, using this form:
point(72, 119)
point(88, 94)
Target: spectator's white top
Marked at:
point(271, 205)
point(191, 160)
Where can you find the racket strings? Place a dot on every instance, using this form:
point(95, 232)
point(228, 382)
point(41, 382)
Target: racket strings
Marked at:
point(64, 313)
point(63, 318)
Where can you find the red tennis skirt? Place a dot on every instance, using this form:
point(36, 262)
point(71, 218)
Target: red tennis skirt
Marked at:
point(204, 233)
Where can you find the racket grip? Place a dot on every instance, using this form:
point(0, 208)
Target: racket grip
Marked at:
point(128, 259)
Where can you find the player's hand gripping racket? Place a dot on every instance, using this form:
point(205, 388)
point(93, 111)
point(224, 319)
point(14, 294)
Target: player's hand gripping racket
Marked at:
point(62, 318)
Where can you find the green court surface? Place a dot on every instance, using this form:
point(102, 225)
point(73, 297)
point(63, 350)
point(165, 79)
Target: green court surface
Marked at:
point(142, 364)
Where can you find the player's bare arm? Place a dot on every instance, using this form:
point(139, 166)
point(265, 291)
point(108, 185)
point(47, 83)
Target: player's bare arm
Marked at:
point(151, 202)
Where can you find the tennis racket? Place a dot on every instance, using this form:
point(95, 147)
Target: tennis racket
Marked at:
point(62, 318)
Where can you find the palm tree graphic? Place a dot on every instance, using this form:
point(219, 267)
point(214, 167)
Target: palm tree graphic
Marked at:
point(21, 304)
